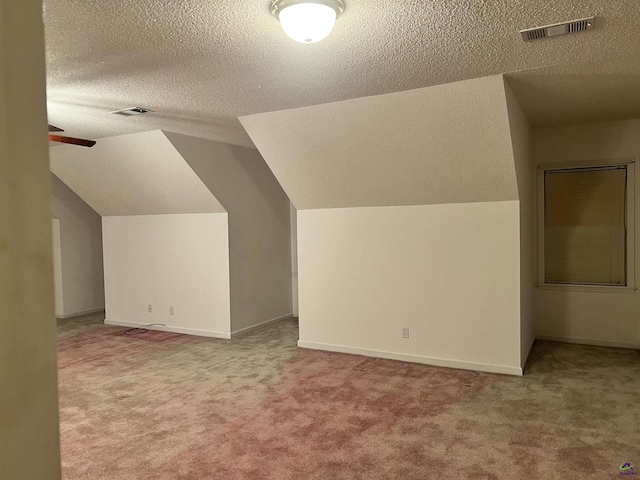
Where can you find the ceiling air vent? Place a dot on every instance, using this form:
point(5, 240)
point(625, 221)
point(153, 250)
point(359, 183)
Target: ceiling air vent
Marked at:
point(132, 111)
point(564, 28)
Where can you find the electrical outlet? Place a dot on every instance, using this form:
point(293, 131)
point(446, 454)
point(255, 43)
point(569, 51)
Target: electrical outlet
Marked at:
point(405, 332)
point(170, 310)
point(149, 308)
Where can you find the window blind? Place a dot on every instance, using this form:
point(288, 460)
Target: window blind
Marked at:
point(585, 228)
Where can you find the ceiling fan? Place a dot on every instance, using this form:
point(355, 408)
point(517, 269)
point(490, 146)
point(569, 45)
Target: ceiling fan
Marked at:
point(63, 139)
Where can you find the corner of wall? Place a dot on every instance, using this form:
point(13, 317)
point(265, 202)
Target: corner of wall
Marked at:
point(259, 227)
point(520, 132)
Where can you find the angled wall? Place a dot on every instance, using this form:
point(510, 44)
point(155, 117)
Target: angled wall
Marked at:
point(165, 236)
point(138, 174)
point(80, 273)
point(442, 144)
point(170, 201)
point(259, 229)
point(525, 173)
point(408, 216)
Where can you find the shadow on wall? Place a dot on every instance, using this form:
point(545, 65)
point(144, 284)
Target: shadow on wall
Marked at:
point(80, 274)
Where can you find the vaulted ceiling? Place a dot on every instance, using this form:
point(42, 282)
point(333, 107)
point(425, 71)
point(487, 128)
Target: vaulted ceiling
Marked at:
point(201, 65)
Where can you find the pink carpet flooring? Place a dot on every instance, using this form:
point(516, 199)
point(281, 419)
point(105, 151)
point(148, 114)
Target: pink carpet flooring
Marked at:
point(188, 407)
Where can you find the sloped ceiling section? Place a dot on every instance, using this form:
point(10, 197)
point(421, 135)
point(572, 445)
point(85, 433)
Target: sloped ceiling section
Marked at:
point(138, 174)
point(444, 144)
point(576, 93)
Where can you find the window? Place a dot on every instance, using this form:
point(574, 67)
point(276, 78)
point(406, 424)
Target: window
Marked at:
point(586, 225)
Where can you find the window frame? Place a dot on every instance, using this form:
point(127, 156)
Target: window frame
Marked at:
point(629, 164)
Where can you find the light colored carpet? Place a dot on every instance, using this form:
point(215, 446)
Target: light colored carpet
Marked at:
point(191, 408)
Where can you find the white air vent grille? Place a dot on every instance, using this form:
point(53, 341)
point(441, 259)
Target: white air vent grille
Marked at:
point(535, 34)
point(580, 26)
point(564, 28)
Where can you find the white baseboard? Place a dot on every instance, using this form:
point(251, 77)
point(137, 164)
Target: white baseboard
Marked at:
point(525, 359)
point(587, 341)
point(186, 331)
point(438, 362)
point(243, 332)
point(79, 314)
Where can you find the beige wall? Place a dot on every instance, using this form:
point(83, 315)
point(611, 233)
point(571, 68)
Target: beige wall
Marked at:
point(259, 227)
point(81, 270)
point(441, 253)
point(157, 173)
point(29, 439)
point(525, 173)
point(164, 235)
point(451, 273)
point(590, 317)
point(165, 261)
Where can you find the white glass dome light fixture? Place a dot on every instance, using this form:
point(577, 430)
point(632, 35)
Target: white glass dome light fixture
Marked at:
point(307, 21)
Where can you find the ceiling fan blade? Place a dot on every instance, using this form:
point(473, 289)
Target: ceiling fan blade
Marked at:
point(53, 128)
point(73, 141)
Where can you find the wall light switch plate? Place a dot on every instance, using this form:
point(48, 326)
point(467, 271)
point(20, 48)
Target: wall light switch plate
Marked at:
point(405, 332)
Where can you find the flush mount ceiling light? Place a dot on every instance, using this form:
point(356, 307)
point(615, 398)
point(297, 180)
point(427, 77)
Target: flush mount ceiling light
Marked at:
point(307, 21)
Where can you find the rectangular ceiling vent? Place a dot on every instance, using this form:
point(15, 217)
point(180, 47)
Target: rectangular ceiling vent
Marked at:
point(132, 111)
point(564, 28)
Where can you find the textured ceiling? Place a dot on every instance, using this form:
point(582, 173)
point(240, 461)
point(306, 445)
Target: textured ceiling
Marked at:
point(576, 93)
point(137, 174)
point(200, 65)
point(442, 144)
